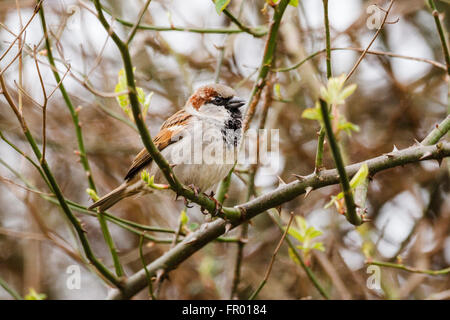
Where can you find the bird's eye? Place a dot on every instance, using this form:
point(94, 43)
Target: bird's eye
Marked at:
point(218, 101)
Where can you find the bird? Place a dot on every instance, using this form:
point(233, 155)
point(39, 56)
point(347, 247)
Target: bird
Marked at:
point(200, 142)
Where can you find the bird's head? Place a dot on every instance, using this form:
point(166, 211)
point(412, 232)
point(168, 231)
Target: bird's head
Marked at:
point(215, 100)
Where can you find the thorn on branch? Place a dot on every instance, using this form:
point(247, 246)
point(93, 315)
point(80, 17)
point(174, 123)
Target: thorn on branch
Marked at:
point(300, 178)
point(393, 22)
point(228, 227)
point(281, 182)
point(191, 240)
point(278, 210)
point(308, 191)
point(426, 155)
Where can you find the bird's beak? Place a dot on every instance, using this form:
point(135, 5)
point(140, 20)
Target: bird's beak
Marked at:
point(235, 103)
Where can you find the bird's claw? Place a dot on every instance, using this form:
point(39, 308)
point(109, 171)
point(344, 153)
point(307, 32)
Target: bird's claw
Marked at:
point(218, 205)
point(195, 189)
point(186, 203)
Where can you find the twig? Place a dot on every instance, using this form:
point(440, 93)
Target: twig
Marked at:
point(116, 115)
point(351, 214)
point(321, 139)
point(361, 57)
point(10, 290)
point(219, 62)
point(38, 168)
point(20, 44)
point(178, 230)
point(256, 31)
point(18, 55)
point(441, 34)
point(409, 269)
point(54, 238)
point(138, 21)
point(222, 190)
point(334, 274)
point(24, 187)
point(55, 188)
point(43, 106)
point(238, 262)
point(22, 91)
point(22, 234)
point(251, 187)
point(35, 11)
point(319, 151)
point(272, 260)
point(373, 52)
point(221, 58)
point(82, 151)
point(149, 278)
point(438, 132)
point(266, 63)
point(73, 112)
point(327, 37)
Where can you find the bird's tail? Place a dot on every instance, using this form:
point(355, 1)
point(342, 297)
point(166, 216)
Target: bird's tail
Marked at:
point(111, 198)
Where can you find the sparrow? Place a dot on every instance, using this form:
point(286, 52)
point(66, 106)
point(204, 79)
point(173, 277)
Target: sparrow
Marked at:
point(200, 142)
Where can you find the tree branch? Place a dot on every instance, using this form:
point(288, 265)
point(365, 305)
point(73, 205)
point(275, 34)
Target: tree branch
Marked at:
point(373, 52)
point(256, 32)
point(350, 212)
point(438, 132)
point(197, 240)
point(272, 259)
point(321, 138)
point(441, 34)
point(409, 269)
point(266, 63)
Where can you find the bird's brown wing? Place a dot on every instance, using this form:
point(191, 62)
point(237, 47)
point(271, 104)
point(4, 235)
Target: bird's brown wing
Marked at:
point(169, 129)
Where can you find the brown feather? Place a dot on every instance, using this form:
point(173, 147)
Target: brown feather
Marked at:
point(165, 137)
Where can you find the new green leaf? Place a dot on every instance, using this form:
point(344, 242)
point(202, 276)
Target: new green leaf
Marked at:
point(221, 5)
point(335, 93)
point(33, 295)
point(123, 99)
point(305, 235)
point(357, 180)
point(184, 219)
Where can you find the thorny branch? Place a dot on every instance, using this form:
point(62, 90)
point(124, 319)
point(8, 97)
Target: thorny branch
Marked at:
point(283, 194)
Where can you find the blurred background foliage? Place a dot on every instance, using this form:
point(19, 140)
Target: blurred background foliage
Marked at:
point(396, 102)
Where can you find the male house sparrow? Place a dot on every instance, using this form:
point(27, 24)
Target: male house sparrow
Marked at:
point(201, 141)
